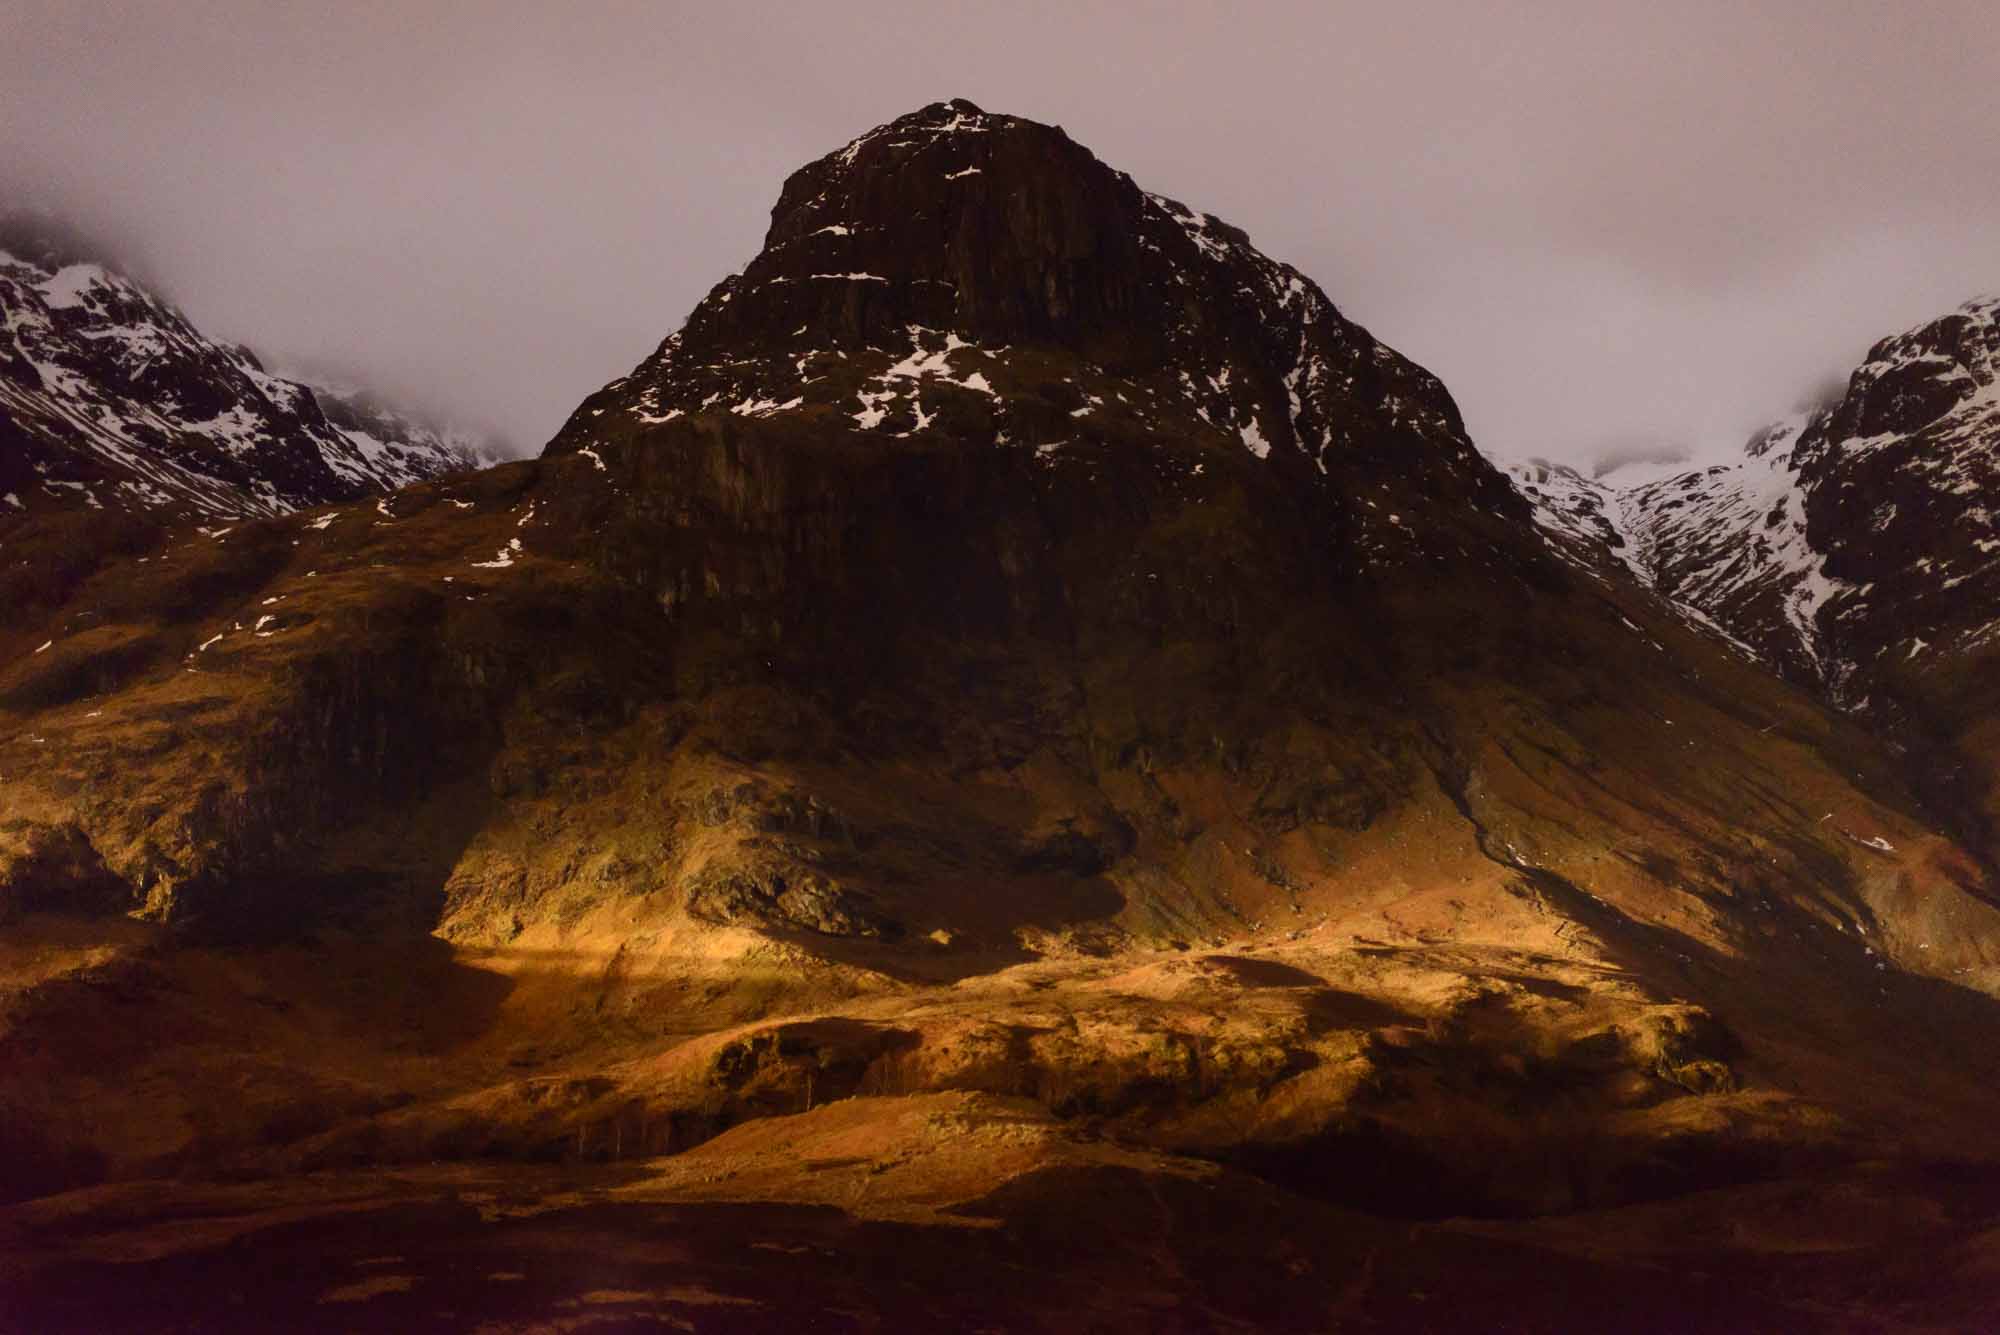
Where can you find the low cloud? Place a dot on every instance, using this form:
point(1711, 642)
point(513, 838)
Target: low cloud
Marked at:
point(1597, 222)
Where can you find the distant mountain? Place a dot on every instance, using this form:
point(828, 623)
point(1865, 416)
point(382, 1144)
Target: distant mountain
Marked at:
point(111, 400)
point(1848, 540)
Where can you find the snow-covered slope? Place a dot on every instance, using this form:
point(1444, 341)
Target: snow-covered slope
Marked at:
point(110, 399)
point(1844, 541)
point(1584, 517)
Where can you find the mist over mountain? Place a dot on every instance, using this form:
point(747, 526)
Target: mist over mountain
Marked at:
point(1655, 452)
point(53, 240)
point(1626, 221)
point(112, 403)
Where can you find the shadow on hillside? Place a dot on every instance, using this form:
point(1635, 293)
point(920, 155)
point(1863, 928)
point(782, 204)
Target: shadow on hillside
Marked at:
point(1928, 1042)
point(1115, 1248)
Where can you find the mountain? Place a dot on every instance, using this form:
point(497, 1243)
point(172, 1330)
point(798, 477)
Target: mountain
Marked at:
point(111, 400)
point(1853, 548)
point(909, 262)
point(1020, 771)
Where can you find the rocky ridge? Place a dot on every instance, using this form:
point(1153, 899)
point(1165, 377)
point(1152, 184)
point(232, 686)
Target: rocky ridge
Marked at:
point(111, 401)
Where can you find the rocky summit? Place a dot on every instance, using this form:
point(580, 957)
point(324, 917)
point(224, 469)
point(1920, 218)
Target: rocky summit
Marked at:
point(1037, 297)
point(1020, 772)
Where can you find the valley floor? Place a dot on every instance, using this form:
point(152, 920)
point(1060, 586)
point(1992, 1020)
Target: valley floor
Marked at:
point(1276, 1135)
point(728, 1238)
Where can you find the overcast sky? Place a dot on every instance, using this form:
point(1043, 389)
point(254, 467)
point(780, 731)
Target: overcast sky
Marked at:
point(1602, 223)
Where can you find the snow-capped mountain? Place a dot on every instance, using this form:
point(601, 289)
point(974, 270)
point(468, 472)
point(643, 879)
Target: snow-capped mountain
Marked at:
point(1846, 542)
point(110, 399)
point(956, 272)
point(1725, 544)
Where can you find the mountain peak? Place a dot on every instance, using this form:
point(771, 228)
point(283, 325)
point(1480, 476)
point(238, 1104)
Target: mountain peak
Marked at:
point(1001, 228)
point(960, 274)
point(954, 113)
point(1852, 543)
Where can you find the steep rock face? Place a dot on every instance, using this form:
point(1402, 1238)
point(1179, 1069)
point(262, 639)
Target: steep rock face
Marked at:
point(1900, 480)
point(990, 275)
point(111, 401)
point(1013, 669)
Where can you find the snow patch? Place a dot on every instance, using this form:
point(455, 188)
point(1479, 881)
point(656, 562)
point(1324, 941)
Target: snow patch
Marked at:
point(763, 407)
point(504, 558)
point(68, 286)
point(1253, 439)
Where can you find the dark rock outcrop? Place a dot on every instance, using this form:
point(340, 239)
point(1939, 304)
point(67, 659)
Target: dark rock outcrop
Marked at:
point(46, 868)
